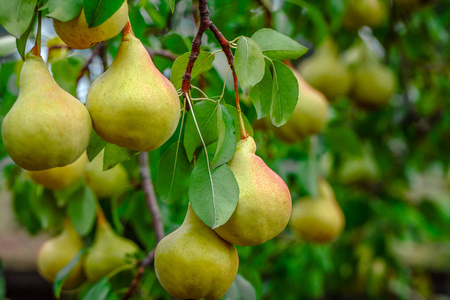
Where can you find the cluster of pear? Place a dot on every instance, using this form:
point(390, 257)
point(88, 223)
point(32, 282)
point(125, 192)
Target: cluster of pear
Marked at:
point(131, 105)
point(108, 252)
point(357, 73)
point(104, 184)
point(195, 261)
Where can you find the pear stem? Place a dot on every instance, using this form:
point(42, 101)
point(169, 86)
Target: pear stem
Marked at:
point(127, 29)
point(37, 46)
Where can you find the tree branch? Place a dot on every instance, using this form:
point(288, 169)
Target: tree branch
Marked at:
point(98, 50)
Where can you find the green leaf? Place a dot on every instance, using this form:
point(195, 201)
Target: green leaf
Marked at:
point(249, 62)
point(64, 10)
point(202, 64)
point(115, 155)
point(16, 16)
point(24, 194)
point(342, 140)
point(173, 176)
point(7, 45)
point(82, 209)
point(62, 275)
point(21, 42)
point(99, 291)
point(284, 94)
point(98, 11)
point(278, 46)
point(206, 116)
point(232, 110)
point(213, 193)
point(171, 4)
point(226, 142)
point(95, 146)
point(47, 210)
point(175, 43)
point(240, 289)
point(261, 95)
point(66, 71)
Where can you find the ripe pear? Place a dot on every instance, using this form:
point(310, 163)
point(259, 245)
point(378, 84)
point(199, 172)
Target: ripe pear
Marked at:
point(359, 13)
point(108, 183)
point(264, 204)
point(77, 34)
point(46, 127)
point(132, 104)
point(193, 262)
point(61, 177)
point(310, 114)
point(318, 220)
point(57, 252)
point(325, 71)
point(108, 252)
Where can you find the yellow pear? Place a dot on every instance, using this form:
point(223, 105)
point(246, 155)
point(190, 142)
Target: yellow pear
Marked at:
point(57, 252)
point(108, 183)
point(264, 204)
point(359, 13)
point(132, 104)
point(309, 117)
point(61, 177)
point(108, 252)
point(324, 71)
point(318, 220)
point(46, 127)
point(193, 262)
point(77, 34)
point(57, 49)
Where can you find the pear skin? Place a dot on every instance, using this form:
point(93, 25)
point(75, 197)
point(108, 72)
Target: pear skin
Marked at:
point(264, 204)
point(359, 13)
point(309, 117)
point(108, 252)
point(77, 34)
point(318, 220)
point(46, 127)
point(57, 252)
point(61, 177)
point(132, 104)
point(107, 183)
point(193, 262)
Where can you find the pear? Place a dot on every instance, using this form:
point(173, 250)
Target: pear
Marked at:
point(193, 262)
point(57, 252)
point(108, 252)
point(359, 13)
point(310, 114)
point(46, 127)
point(318, 220)
point(359, 170)
point(325, 71)
point(132, 104)
point(61, 177)
point(264, 204)
point(77, 34)
point(57, 49)
point(108, 183)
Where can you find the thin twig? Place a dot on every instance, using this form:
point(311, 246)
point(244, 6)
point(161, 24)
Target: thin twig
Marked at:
point(163, 53)
point(97, 51)
point(144, 264)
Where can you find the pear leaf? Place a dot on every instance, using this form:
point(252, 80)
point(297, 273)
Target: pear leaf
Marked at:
point(95, 146)
point(278, 46)
point(82, 210)
point(284, 94)
point(64, 272)
point(99, 291)
point(205, 114)
point(261, 95)
point(226, 142)
point(98, 11)
point(203, 63)
point(21, 42)
point(171, 4)
point(64, 10)
point(173, 176)
point(232, 110)
point(248, 62)
point(213, 194)
point(115, 155)
point(240, 289)
point(17, 16)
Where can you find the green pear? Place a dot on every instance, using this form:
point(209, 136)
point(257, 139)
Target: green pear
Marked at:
point(309, 117)
point(325, 71)
point(57, 252)
point(61, 177)
point(372, 13)
point(359, 170)
point(132, 104)
point(264, 204)
point(318, 220)
point(77, 34)
point(108, 183)
point(108, 252)
point(46, 127)
point(193, 262)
